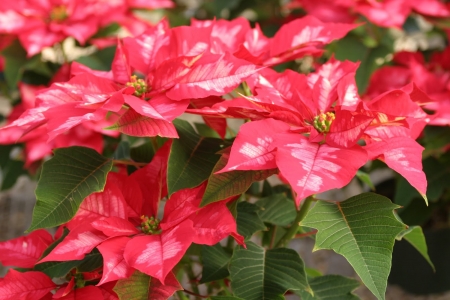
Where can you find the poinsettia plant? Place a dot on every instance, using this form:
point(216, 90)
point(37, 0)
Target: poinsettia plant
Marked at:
point(144, 203)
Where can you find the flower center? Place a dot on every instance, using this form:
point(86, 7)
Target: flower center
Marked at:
point(323, 122)
point(139, 85)
point(150, 225)
point(59, 13)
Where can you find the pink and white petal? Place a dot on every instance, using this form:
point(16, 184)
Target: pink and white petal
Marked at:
point(120, 66)
point(115, 226)
point(347, 129)
point(403, 155)
point(212, 75)
point(313, 168)
point(142, 107)
point(134, 124)
point(24, 251)
point(152, 180)
point(252, 149)
point(157, 255)
point(159, 291)
point(76, 244)
point(114, 264)
point(181, 205)
point(213, 223)
point(28, 285)
point(108, 203)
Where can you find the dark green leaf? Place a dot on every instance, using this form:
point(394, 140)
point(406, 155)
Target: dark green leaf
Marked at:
point(10, 172)
point(122, 151)
point(331, 287)
point(192, 158)
point(277, 209)
point(91, 261)
point(215, 263)
point(258, 274)
point(143, 153)
point(224, 185)
point(225, 298)
point(248, 221)
point(414, 235)
point(100, 60)
point(67, 178)
point(352, 48)
point(364, 177)
point(362, 229)
point(16, 62)
point(55, 269)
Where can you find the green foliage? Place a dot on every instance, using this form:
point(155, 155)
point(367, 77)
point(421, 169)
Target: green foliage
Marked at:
point(276, 209)
point(258, 274)
point(70, 176)
point(362, 229)
point(224, 185)
point(10, 169)
point(215, 263)
point(136, 287)
point(248, 220)
point(17, 62)
point(342, 288)
point(192, 158)
point(414, 235)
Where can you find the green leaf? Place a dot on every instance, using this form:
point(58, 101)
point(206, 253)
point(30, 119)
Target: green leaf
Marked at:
point(277, 209)
point(224, 185)
point(17, 62)
point(414, 235)
point(331, 287)
point(353, 48)
point(258, 274)
point(365, 178)
point(91, 261)
point(215, 263)
point(10, 172)
point(142, 286)
point(56, 268)
point(136, 287)
point(225, 298)
point(67, 178)
point(362, 229)
point(122, 151)
point(248, 221)
point(143, 153)
point(192, 158)
point(100, 60)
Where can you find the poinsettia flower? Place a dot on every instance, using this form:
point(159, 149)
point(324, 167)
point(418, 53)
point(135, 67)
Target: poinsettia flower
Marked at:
point(386, 13)
point(431, 79)
point(43, 24)
point(148, 243)
point(26, 124)
point(315, 124)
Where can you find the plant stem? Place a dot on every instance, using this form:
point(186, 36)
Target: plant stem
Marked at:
point(182, 296)
point(129, 163)
point(294, 228)
point(192, 278)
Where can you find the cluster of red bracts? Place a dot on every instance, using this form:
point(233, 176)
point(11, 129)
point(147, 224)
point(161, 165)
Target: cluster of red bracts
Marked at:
point(306, 126)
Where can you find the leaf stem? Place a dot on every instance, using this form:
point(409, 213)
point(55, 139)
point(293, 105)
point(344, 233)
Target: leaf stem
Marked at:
point(301, 213)
point(302, 235)
point(129, 163)
point(194, 294)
